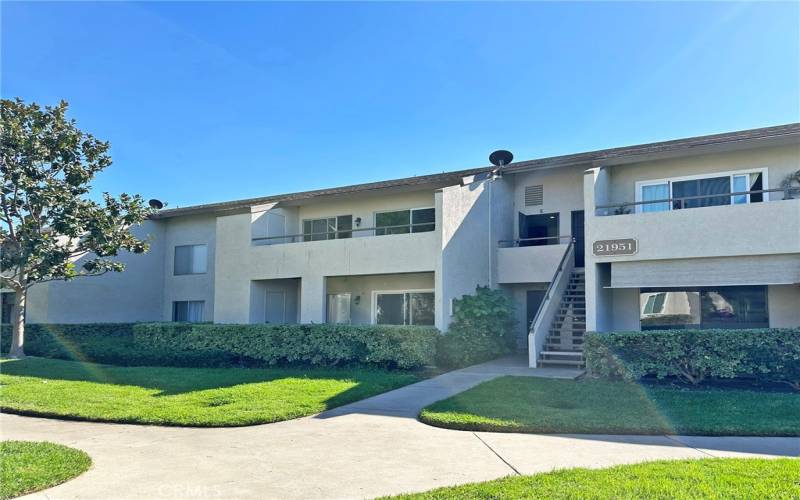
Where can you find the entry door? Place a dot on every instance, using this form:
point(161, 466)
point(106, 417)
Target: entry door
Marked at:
point(275, 308)
point(538, 226)
point(577, 233)
point(534, 299)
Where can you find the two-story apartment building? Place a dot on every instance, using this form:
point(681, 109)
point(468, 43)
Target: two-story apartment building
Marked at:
point(700, 232)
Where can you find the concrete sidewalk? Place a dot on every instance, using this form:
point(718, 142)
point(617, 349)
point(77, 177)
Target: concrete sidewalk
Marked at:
point(370, 448)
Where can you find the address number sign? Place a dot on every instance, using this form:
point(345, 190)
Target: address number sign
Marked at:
point(628, 246)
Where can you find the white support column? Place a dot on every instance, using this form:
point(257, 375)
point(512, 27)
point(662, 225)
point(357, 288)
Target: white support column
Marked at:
point(313, 299)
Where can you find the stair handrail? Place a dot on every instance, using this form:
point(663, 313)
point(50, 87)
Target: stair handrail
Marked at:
point(534, 331)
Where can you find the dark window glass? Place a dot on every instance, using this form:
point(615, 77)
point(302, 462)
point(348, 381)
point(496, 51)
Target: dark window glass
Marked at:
point(756, 184)
point(392, 222)
point(538, 229)
point(424, 220)
point(390, 309)
point(183, 259)
point(7, 306)
point(344, 223)
point(188, 311)
point(702, 187)
point(707, 307)
point(421, 308)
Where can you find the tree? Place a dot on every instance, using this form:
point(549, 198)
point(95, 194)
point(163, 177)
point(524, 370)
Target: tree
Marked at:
point(47, 221)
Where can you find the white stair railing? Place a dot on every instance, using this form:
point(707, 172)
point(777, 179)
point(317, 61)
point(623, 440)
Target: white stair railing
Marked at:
point(537, 334)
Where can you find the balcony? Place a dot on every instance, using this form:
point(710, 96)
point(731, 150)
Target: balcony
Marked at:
point(388, 249)
point(682, 228)
point(530, 260)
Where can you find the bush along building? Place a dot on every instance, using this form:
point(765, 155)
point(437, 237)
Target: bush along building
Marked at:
point(698, 233)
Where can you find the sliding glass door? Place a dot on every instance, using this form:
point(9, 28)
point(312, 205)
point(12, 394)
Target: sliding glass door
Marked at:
point(404, 308)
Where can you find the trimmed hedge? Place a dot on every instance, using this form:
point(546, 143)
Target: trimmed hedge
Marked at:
point(694, 355)
point(187, 344)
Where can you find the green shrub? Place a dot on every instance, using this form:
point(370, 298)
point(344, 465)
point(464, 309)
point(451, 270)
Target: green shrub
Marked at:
point(188, 344)
point(482, 329)
point(695, 355)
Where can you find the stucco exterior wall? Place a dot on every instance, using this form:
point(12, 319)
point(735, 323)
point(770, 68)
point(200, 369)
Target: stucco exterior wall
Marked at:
point(132, 295)
point(562, 193)
point(364, 207)
point(466, 251)
point(192, 230)
point(784, 306)
point(779, 160)
point(361, 289)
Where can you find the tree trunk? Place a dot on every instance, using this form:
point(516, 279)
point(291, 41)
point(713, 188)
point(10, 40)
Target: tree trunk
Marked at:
point(18, 336)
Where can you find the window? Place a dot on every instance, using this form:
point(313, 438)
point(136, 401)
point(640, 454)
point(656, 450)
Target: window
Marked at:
point(404, 308)
point(328, 228)
point(654, 192)
point(417, 220)
point(712, 191)
point(7, 306)
point(706, 307)
point(190, 311)
point(190, 259)
point(339, 308)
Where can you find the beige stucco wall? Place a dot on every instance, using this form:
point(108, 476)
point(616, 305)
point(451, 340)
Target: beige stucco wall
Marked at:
point(192, 230)
point(364, 207)
point(563, 193)
point(361, 289)
point(238, 262)
point(779, 161)
point(784, 306)
point(132, 295)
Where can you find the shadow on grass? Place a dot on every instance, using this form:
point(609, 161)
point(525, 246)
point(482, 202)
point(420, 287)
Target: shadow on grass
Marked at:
point(169, 381)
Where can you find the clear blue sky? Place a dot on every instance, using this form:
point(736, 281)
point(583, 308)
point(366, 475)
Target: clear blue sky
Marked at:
point(216, 101)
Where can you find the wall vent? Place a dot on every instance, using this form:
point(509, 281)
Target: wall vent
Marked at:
point(534, 195)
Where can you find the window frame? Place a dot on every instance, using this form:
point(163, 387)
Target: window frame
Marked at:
point(336, 235)
point(730, 174)
point(410, 220)
point(374, 307)
point(174, 310)
point(191, 263)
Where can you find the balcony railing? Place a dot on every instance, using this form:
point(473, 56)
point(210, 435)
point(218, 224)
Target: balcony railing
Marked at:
point(422, 227)
point(525, 242)
point(681, 203)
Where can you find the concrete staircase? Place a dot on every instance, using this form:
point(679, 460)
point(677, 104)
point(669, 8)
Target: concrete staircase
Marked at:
point(564, 344)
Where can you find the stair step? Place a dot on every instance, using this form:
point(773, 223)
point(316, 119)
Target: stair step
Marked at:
point(561, 353)
point(561, 362)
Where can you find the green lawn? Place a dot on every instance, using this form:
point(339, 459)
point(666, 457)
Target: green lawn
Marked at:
point(182, 396)
point(686, 479)
point(27, 466)
point(529, 404)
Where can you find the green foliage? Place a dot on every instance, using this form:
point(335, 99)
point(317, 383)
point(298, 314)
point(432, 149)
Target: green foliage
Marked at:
point(192, 344)
point(732, 478)
point(482, 329)
point(28, 466)
point(47, 165)
point(695, 355)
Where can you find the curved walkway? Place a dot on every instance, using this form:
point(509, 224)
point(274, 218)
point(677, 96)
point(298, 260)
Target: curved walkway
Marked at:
point(369, 448)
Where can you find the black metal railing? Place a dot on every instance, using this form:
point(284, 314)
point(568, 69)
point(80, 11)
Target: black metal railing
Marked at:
point(523, 242)
point(680, 203)
point(421, 227)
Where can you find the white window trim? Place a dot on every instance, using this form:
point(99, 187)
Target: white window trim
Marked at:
point(410, 217)
point(375, 293)
point(669, 180)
